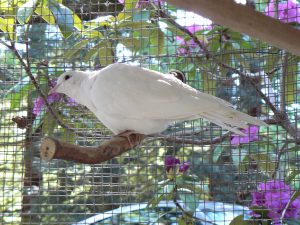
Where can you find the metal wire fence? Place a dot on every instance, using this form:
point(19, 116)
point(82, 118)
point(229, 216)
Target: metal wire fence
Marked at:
point(192, 173)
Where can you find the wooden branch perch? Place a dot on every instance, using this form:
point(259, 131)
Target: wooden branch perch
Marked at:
point(245, 20)
point(54, 149)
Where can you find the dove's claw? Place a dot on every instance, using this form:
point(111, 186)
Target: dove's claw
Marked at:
point(126, 134)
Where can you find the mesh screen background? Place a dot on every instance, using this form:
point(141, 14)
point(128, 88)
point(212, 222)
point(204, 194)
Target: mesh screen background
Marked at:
point(157, 36)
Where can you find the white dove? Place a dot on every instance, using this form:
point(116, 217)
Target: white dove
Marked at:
point(127, 98)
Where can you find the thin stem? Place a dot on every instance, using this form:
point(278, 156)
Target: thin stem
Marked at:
point(189, 214)
point(283, 81)
point(279, 153)
point(294, 195)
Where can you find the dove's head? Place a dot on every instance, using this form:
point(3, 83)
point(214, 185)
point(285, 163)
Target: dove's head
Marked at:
point(69, 83)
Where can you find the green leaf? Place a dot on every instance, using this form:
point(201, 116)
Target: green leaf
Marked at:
point(239, 220)
point(45, 13)
point(135, 25)
point(157, 41)
point(64, 18)
point(261, 211)
point(26, 10)
point(134, 44)
point(263, 160)
point(141, 16)
point(185, 220)
point(155, 200)
point(3, 25)
point(93, 51)
point(190, 200)
point(49, 124)
point(105, 56)
point(128, 11)
point(295, 195)
point(18, 91)
point(217, 151)
point(7, 26)
point(38, 121)
point(164, 193)
point(88, 33)
point(77, 22)
point(71, 53)
point(291, 82)
point(292, 176)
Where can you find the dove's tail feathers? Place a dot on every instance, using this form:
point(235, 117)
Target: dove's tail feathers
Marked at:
point(232, 120)
point(248, 119)
point(220, 123)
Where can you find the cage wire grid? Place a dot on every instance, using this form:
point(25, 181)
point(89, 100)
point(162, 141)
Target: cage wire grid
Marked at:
point(221, 177)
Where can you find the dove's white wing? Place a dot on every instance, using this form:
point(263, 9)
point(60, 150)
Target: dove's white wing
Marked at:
point(126, 91)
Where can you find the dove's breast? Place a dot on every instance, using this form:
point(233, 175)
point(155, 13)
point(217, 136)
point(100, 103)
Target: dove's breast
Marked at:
point(104, 94)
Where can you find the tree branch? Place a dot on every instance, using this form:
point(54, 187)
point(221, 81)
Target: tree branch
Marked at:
point(194, 142)
point(54, 149)
point(246, 20)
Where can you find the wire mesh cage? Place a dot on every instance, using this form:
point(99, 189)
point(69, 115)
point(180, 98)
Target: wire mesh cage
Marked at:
point(194, 172)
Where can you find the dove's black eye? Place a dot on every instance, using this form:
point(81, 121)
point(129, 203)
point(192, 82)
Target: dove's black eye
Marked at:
point(67, 77)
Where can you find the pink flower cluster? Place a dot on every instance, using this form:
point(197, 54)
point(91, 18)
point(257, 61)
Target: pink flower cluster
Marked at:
point(251, 135)
point(172, 163)
point(274, 195)
point(39, 103)
point(288, 11)
point(188, 46)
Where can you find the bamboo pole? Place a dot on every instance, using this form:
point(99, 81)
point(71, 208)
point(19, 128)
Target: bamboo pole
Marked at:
point(245, 20)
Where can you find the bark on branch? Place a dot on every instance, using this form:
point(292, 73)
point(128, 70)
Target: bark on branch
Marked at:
point(54, 149)
point(245, 20)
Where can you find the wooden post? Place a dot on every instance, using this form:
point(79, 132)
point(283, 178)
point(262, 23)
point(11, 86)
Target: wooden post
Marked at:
point(245, 20)
point(54, 149)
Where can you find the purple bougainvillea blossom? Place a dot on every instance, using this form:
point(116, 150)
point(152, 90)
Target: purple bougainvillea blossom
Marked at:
point(38, 105)
point(288, 11)
point(172, 163)
point(39, 102)
point(251, 135)
point(274, 195)
point(184, 167)
point(189, 46)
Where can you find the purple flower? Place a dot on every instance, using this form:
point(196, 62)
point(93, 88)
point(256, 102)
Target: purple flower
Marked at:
point(288, 11)
point(173, 163)
point(189, 46)
point(184, 167)
point(274, 195)
point(71, 102)
point(39, 103)
point(251, 135)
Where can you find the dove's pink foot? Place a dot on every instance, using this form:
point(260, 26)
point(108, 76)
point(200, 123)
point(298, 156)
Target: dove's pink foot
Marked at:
point(126, 134)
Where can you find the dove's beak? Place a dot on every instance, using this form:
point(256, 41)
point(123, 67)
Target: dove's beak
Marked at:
point(53, 90)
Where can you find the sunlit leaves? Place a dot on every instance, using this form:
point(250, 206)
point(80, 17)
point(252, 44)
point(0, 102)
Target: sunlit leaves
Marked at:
point(263, 161)
point(128, 11)
point(25, 11)
point(239, 220)
point(7, 26)
point(64, 17)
